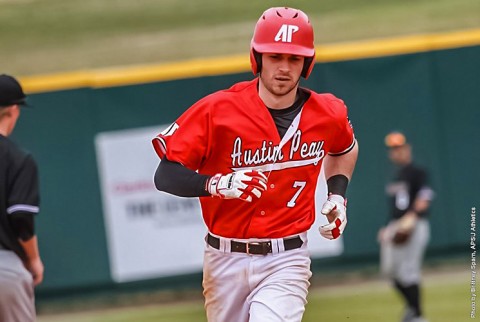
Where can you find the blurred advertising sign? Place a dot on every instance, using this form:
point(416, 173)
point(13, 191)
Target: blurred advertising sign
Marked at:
point(151, 234)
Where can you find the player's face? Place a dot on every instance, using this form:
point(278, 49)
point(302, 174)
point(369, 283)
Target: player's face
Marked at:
point(401, 155)
point(14, 112)
point(281, 72)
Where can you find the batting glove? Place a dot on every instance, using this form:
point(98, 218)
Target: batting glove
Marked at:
point(245, 185)
point(336, 211)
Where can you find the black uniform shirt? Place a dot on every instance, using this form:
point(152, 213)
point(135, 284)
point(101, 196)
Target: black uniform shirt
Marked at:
point(18, 191)
point(409, 183)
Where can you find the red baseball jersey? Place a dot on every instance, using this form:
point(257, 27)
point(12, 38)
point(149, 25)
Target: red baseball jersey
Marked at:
point(233, 129)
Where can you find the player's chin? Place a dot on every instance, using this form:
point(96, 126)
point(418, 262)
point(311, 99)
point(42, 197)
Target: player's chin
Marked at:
point(283, 88)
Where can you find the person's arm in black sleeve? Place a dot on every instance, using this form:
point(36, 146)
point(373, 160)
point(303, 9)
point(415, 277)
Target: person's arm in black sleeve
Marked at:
point(174, 178)
point(424, 195)
point(24, 204)
point(23, 225)
point(24, 198)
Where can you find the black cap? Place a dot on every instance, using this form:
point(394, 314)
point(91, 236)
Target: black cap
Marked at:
point(11, 91)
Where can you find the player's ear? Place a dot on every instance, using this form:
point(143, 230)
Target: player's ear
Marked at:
point(14, 110)
point(6, 110)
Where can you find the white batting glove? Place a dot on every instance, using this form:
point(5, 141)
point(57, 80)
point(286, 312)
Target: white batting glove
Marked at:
point(245, 185)
point(336, 211)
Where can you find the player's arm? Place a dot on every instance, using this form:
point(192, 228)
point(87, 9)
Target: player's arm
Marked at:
point(338, 172)
point(23, 204)
point(174, 178)
point(406, 224)
point(34, 263)
point(23, 226)
point(408, 221)
point(340, 161)
point(423, 198)
point(421, 205)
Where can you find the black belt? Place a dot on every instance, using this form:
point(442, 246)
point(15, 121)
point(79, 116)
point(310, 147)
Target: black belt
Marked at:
point(255, 248)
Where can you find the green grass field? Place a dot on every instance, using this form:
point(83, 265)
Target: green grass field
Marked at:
point(446, 298)
point(45, 36)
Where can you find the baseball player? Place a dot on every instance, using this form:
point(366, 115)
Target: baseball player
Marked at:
point(253, 153)
point(20, 265)
point(405, 238)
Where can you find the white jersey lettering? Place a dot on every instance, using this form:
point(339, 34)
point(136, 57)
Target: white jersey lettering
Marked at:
point(266, 153)
point(300, 153)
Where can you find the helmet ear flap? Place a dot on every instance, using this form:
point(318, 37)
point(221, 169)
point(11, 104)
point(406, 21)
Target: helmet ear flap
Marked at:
point(308, 66)
point(256, 61)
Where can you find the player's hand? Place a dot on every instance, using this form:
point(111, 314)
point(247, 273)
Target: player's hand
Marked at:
point(35, 267)
point(245, 185)
point(382, 235)
point(404, 228)
point(407, 222)
point(336, 212)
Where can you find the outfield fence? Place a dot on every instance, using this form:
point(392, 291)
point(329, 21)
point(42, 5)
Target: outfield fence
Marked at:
point(96, 178)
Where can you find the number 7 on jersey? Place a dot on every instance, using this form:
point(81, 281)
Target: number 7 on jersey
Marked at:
point(300, 185)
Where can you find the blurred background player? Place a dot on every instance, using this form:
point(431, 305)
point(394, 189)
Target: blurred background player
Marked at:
point(20, 265)
point(404, 239)
point(259, 148)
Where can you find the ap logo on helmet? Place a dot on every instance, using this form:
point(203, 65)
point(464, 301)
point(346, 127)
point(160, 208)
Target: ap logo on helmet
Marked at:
point(286, 32)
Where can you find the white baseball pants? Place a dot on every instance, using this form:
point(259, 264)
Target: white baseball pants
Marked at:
point(256, 288)
point(17, 299)
point(404, 262)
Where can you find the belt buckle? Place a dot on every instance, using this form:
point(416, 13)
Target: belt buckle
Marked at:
point(251, 243)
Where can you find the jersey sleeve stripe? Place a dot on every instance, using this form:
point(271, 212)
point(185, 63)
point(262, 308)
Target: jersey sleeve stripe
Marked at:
point(160, 146)
point(344, 151)
point(25, 208)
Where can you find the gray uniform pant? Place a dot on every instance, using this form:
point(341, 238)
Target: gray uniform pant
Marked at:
point(403, 263)
point(17, 302)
